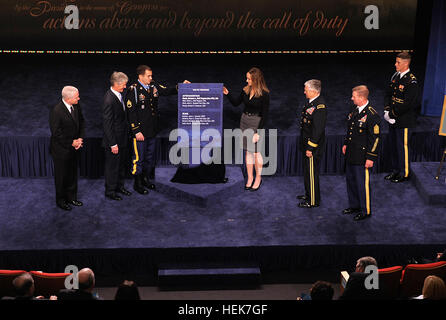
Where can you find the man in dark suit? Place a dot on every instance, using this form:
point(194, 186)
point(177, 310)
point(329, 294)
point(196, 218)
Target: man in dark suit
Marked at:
point(401, 105)
point(360, 148)
point(116, 136)
point(355, 288)
point(86, 281)
point(67, 133)
point(312, 136)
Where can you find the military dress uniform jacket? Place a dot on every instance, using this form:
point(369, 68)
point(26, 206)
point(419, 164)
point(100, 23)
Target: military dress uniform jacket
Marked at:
point(363, 136)
point(142, 107)
point(402, 99)
point(312, 124)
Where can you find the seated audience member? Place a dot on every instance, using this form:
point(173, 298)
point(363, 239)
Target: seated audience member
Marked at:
point(355, 288)
point(127, 290)
point(440, 256)
point(24, 289)
point(434, 288)
point(86, 282)
point(320, 290)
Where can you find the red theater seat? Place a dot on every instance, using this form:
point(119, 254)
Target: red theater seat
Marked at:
point(414, 274)
point(389, 281)
point(48, 284)
point(6, 277)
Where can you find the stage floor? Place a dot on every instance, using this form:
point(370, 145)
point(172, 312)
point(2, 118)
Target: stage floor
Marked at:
point(30, 220)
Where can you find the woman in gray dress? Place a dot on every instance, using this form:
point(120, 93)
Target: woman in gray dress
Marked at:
point(255, 97)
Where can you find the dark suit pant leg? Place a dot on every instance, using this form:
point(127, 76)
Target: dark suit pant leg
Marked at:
point(359, 177)
point(59, 177)
point(352, 186)
point(65, 178)
point(311, 178)
point(111, 171)
point(393, 157)
point(402, 147)
point(71, 181)
point(150, 155)
point(306, 168)
point(123, 161)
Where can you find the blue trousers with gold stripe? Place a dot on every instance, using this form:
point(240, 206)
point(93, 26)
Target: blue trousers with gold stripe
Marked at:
point(311, 179)
point(358, 187)
point(399, 143)
point(143, 158)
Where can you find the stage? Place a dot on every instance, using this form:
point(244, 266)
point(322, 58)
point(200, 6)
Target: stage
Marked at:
point(134, 236)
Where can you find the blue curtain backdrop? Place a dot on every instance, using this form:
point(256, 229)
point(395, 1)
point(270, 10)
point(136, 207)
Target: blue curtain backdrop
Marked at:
point(435, 79)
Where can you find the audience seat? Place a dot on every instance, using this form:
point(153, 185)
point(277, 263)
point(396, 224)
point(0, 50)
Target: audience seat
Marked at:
point(6, 277)
point(414, 274)
point(48, 284)
point(389, 282)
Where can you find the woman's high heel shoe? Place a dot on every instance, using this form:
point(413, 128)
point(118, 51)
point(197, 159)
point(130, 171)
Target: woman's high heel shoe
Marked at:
point(249, 188)
point(252, 189)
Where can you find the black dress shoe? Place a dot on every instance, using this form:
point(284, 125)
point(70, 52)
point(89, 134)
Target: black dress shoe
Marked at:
point(399, 178)
point(151, 186)
point(64, 206)
point(124, 191)
point(350, 210)
point(146, 183)
point(305, 204)
point(362, 216)
point(252, 189)
point(140, 190)
point(113, 196)
point(302, 197)
point(75, 203)
point(138, 185)
point(391, 176)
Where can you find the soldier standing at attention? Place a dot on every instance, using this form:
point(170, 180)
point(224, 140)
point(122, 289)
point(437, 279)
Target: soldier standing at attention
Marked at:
point(361, 151)
point(312, 142)
point(142, 108)
point(401, 102)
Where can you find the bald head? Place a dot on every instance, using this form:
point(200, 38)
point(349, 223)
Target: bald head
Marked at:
point(86, 279)
point(24, 285)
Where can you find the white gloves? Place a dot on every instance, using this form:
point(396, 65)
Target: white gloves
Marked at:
point(386, 116)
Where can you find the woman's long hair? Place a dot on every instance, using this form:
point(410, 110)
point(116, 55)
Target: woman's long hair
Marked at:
point(258, 83)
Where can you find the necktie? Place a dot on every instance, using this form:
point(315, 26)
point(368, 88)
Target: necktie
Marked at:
point(71, 111)
point(122, 102)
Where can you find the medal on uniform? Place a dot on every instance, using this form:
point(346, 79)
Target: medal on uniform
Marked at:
point(142, 106)
point(142, 97)
point(310, 110)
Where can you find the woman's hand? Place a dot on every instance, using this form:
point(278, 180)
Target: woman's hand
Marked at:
point(255, 138)
point(225, 91)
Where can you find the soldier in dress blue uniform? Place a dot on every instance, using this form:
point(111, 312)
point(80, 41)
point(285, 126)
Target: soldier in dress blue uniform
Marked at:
point(361, 152)
point(401, 104)
point(142, 108)
point(312, 142)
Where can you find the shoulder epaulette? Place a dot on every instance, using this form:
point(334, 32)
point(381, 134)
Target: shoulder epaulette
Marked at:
point(162, 86)
point(132, 86)
point(373, 111)
point(321, 106)
point(412, 76)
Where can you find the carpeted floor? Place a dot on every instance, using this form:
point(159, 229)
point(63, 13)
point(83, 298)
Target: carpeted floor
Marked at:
point(30, 220)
